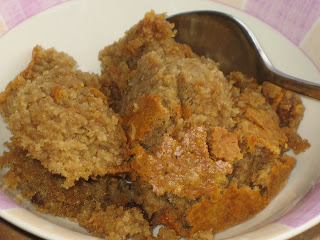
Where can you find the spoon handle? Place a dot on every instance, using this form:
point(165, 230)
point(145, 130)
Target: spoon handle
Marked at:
point(292, 83)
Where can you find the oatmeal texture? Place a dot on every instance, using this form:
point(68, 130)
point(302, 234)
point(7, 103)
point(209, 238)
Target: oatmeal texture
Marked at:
point(161, 137)
point(62, 121)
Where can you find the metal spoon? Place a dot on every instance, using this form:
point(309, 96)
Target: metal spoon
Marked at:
point(227, 40)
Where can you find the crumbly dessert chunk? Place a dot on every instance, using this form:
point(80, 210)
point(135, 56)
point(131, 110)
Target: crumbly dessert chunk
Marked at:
point(183, 168)
point(63, 122)
point(101, 205)
point(154, 67)
point(227, 139)
point(207, 151)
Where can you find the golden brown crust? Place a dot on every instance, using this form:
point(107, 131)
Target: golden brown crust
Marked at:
point(295, 142)
point(224, 145)
point(261, 130)
point(116, 223)
point(274, 176)
point(167, 233)
point(287, 104)
point(143, 115)
point(46, 60)
point(183, 168)
point(234, 206)
point(153, 28)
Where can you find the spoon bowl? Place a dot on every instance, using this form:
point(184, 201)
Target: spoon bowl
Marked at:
point(230, 42)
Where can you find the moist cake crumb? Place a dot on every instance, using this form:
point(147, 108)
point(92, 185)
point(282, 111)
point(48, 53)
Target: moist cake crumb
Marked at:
point(64, 122)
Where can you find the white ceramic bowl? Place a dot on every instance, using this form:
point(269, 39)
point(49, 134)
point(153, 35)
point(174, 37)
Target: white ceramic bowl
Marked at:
point(288, 32)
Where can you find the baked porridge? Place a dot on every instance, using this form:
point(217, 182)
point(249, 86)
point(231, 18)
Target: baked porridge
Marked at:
point(160, 137)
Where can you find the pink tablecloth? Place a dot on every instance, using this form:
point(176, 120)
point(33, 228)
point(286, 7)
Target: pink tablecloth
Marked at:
point(13, 12)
